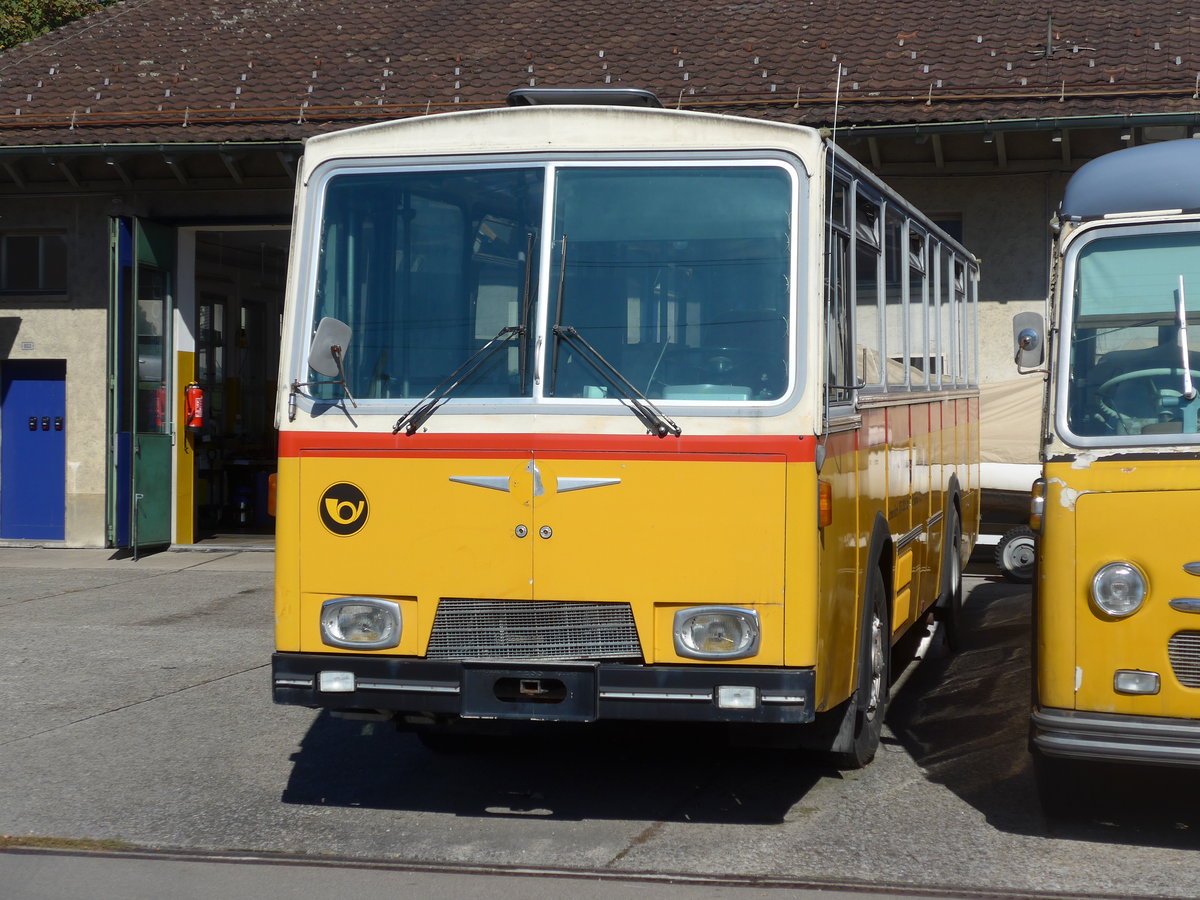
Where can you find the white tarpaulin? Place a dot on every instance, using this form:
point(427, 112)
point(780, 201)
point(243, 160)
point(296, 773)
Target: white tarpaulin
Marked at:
point(1010, 419)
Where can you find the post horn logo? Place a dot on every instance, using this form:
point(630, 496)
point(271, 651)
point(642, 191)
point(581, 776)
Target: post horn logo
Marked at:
point(344, 508)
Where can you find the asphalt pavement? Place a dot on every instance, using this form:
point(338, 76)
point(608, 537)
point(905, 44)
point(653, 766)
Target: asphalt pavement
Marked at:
point(141, 756)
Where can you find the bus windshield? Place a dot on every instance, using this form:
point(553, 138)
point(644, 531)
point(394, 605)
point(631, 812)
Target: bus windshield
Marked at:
point(1131, 329)
point(677, 274)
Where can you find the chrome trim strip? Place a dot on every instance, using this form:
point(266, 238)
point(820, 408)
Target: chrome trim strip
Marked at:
point(294, 682)
point(1192, 568)
point(1185, 604)
point(905, 539)
point(847, 423)
point(491, 482)
point(876, 395)
point(933, 520)
point(1153, 739)
point(582, 484)
point(410, 686)
point(689, 696)
point(706, 696)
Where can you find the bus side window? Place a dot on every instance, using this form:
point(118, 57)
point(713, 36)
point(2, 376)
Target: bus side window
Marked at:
point(837, 320)
point(867, 320)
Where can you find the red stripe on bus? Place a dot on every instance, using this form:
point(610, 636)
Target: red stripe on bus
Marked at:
point(745, 448)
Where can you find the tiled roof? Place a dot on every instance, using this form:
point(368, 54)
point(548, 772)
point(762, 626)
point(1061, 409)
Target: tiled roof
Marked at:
point(149, 71)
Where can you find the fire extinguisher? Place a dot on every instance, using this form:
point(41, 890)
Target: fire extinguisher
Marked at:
point(194, 405)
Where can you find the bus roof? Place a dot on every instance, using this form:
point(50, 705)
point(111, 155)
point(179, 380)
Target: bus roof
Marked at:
point(558, 128)
point(1140, 179)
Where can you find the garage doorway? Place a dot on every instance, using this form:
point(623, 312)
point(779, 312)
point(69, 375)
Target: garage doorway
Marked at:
point(234, 312)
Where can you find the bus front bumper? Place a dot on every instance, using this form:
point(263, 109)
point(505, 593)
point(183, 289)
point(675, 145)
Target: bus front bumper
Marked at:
point(1119, 738)
point(537, 690)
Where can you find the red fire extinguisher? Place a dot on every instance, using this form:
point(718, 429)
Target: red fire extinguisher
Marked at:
point(193, 406)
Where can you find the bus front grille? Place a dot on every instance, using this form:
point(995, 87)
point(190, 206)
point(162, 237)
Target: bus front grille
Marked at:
point(1184, 650)
point(516, 629)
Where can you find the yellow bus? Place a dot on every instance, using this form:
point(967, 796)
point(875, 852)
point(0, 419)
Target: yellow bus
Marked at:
point(592, 410)
point(1116, 650)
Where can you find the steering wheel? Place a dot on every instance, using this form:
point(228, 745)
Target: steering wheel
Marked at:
point(763, 373)
point(1155, 395)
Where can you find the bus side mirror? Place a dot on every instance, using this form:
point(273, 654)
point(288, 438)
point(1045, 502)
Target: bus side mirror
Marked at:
point(1028, 340)
point(328, 347)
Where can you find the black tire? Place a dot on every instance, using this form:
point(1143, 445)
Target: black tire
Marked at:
point(950, 602)
point(862, 725)
point(1016, 554)
point(1061, 786)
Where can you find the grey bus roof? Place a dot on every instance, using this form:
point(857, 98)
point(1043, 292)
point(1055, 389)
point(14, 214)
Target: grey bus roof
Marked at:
point(1139, 179)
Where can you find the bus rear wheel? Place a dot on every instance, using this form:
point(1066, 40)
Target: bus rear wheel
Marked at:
point(950, 603)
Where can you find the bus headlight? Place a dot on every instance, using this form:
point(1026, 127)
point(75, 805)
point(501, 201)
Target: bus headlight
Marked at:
point(716, 632)
point(1118, 589)
point(360, 623)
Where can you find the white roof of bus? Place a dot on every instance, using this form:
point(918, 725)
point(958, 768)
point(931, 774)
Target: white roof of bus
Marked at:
point(558, 129)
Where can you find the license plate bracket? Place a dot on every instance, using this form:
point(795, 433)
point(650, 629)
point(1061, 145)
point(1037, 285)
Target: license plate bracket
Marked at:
point(557, 692)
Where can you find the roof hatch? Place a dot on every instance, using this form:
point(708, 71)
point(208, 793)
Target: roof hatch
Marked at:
point(583, 97)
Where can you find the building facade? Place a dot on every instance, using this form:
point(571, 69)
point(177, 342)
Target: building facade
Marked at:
point(148, 157)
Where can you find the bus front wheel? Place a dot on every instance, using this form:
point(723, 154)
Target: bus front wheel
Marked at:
point(1062, 786)
point(862, 722)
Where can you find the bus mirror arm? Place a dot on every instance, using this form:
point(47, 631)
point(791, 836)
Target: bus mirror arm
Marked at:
point(325, 355)
point(336, 352)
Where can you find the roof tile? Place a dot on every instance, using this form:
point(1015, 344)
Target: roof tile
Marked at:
point(279, 70)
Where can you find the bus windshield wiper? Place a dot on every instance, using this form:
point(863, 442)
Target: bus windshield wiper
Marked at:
point(526, 310)
point(1189, 389)
point(427, 405)
point(639, 404)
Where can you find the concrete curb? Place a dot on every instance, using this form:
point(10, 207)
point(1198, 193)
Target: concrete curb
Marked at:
point(224, 560)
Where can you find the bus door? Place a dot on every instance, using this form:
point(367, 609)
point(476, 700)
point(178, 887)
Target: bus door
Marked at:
point(140, 310)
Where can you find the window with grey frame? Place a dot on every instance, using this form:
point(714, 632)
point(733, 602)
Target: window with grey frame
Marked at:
point(916, 299)
point(838, 336)
point(868, 332)
point(33, 263)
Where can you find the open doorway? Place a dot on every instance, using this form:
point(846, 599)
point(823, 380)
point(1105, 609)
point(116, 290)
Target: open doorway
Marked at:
point(239, 287)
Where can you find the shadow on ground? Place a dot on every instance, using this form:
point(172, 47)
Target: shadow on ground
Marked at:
point(964, 719)
point(608, 771)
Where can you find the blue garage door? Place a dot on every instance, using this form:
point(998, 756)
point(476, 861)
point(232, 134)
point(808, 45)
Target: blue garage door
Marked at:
point(33, 447)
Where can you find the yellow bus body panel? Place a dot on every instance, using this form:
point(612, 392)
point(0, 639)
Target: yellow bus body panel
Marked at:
point(1115, 511)
point(659, 535)
point(665, 536)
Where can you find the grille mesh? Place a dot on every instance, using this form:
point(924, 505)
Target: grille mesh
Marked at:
point(1184, 650)
point(506, 629)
